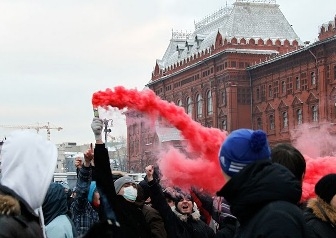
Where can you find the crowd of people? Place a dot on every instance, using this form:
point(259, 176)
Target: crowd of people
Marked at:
point(261, 196)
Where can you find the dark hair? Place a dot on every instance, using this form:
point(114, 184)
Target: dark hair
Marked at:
point(291, 158)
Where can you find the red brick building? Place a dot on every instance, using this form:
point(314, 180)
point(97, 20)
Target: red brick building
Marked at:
point(295, 88)
point(244, 66)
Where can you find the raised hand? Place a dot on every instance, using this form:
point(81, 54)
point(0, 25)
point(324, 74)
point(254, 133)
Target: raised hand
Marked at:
point(78, 162)
point(97, 125)
point(88, 157)
point(149, 172)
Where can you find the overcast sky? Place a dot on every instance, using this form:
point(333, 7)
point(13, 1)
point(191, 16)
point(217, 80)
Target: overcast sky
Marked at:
point(55, 54)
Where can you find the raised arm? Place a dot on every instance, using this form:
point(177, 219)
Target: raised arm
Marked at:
point(83, 183)
point(158, 200)
point(104, 176)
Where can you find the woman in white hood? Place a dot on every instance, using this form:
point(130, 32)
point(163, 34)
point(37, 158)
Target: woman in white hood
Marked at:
point(28, 162)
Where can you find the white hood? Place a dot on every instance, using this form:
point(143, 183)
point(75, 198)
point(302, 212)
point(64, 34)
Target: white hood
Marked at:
point(28, 164)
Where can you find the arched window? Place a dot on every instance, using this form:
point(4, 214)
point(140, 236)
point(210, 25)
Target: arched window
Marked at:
point(209, 103)
point(259, 123)
point(270, 91)
point(285, 119)
point(189, 106)
point(299, 116)
point(271, 122)
point(199, 105)
point(179, 103)
point(314, 113)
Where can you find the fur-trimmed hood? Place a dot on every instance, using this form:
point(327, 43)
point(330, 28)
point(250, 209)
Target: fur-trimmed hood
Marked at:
point(9, 205)
point(195, 215)
point(329, 211)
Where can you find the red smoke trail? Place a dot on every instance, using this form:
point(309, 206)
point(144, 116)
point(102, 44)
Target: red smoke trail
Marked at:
point(204, 172)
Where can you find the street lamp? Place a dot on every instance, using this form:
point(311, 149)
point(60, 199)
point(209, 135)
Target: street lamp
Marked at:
point(106, 129)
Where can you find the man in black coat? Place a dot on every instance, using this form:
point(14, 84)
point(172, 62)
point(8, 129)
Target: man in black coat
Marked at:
point(128, 220)
point(262, 195)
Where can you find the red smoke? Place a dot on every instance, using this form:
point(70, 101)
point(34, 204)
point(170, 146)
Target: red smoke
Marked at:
point(203, 172)
point(314, 142)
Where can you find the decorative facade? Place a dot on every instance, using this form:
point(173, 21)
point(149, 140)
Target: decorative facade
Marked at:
point(239, 68)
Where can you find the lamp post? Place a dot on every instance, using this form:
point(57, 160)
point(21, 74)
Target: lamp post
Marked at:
point(106, 129)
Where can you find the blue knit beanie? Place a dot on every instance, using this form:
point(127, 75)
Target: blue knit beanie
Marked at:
point(92, 189)
point(242, 147)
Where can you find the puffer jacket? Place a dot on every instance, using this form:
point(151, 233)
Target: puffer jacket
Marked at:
point(16, 218)
point(264, 197)
point(321, 219)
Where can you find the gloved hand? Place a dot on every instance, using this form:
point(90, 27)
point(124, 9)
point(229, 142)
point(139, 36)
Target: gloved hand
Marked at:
point(97, 128)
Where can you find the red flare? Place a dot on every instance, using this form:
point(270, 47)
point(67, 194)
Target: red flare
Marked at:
point(204, 172)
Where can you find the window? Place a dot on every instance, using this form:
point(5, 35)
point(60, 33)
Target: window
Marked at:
point(313, 78)
point(285, 119)
point(283, 87)
point(224, 97)
point(263, 92)
point(179, 103)
point(271, 122)
point(259, 123)
point(270, 91)
point(199, 106)
point(224, 124)
point(189, 106)
point(299, 116)
point(258, 93)
point(209, 103)
point(297, 83)
point(314, 113)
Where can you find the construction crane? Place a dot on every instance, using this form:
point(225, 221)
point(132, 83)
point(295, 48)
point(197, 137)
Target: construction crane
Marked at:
point(37, 127)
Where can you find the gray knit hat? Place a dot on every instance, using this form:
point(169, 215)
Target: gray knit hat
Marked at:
point(121, 181)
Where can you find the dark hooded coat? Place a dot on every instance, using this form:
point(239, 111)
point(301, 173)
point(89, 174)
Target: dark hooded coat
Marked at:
point(264, 197)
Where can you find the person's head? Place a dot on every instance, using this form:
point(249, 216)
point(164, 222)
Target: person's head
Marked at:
point(170, 195)
point(325, 189)
point(126, 187)
point(65, 186)
point(55, 203)
point(184, 203)
point(93, 195)
point(242, 147)
point(288, 156)
point(28, 163)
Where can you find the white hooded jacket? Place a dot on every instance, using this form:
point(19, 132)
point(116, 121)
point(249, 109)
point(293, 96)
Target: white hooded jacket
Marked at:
point(28, 164)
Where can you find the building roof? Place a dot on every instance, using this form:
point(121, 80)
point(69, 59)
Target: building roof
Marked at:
point(166, 134)
point(249, 19)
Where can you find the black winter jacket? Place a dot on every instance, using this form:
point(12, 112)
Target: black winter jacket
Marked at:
point(16, 218)
point(129, 215)
point(264, 197)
